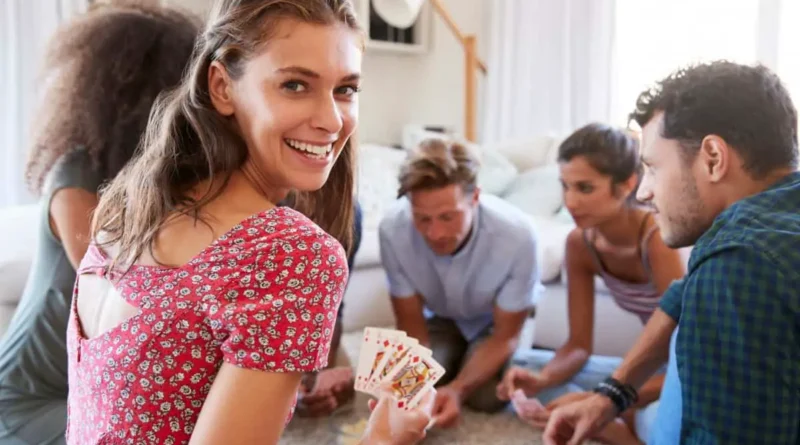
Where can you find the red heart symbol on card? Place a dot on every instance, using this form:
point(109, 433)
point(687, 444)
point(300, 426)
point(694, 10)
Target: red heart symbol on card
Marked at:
point(416, 359)
point(386, 343)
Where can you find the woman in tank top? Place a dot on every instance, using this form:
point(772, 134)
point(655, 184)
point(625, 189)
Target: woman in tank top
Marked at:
point(102, 73)
point(618, 241)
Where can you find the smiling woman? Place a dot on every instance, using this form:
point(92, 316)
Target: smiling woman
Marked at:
point(201, 332)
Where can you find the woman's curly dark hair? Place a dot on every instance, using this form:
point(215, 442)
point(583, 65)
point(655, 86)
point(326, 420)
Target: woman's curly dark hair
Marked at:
point(103, 72)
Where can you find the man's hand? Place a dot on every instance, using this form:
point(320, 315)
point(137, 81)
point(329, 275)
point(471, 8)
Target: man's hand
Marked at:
point(331, 389)
point(447, 407)
point(519, 378)
point(573, 423)
point(567, 399)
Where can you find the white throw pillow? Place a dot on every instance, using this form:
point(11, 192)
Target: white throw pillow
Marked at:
point(497, 173)
point(378, 168)
point(551, 239)
point(537, 191)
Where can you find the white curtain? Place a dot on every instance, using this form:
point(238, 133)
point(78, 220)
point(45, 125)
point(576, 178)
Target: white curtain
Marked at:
point(549, 67)
point(25, 27)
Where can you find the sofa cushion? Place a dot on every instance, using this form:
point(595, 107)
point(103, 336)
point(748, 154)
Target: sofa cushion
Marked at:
point(497, 173)
point(378, 167)
point(369, 253)
point(526, 154)
point(551, 238)
point(18, 235)
point(537, 191)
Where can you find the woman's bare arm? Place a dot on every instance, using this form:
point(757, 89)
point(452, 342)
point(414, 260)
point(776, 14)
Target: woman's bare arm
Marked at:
point(572, 356)
point(246, 406)
point(71, 220)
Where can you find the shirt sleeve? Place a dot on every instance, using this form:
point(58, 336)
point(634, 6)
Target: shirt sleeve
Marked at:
point(738, 351)
point(672, 300)
point(523, 286)
point(73, 170)
point(280, 316)
point(400, 286)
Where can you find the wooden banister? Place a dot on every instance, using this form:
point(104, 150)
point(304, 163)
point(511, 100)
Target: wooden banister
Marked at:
point(471, 62)
point(470, 88)
point(448, 19)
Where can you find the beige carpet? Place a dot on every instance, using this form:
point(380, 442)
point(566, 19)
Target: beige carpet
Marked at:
point(475, 428)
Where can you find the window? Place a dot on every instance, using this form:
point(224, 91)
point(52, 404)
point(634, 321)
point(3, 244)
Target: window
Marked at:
point(655, 37)
point(788, 66)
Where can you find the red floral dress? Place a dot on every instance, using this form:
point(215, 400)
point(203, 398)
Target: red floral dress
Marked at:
point(264, 296)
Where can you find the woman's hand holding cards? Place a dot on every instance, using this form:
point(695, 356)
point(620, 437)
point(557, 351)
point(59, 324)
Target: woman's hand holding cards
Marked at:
point(517, 386)
point(392, 425)
point(530, 410)
point(519, 378)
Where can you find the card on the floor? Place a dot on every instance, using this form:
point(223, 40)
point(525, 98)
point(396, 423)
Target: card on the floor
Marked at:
point(374, 346)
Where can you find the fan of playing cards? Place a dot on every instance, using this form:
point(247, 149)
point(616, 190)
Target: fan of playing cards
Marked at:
point(390, 356)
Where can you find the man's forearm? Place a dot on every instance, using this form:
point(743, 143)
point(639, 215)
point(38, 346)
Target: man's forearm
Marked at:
point(649, 353)
point(415, 327)
point(567, 361)
point(484, 363)
point(650, 391)
point(410, 318)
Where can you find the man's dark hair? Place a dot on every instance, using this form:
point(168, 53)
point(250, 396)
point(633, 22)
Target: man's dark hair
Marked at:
point(747, 106)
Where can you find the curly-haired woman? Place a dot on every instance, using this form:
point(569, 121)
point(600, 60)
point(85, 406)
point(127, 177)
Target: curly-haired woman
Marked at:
point(102, 73)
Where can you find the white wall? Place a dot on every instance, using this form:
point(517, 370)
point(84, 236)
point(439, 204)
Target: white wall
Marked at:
point(426, 89)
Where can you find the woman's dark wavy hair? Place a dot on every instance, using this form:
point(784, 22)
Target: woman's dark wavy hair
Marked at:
point(103, 72)
point(613, 152)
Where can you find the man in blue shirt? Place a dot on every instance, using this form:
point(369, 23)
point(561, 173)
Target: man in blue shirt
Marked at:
point(720, 151)
point(462, 271)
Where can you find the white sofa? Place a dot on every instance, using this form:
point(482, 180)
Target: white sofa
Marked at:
point(18, 237)
point(525, 173)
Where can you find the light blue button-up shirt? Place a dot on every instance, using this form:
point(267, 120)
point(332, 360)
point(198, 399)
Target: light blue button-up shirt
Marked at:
point(666, 429)
point(497, 266)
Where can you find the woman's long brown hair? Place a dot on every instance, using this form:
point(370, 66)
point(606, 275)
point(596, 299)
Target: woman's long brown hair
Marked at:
point(187, 141)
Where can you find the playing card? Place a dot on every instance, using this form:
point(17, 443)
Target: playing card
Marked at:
point(375, 344)
point(413, 376)
point(393, 356)
point(525, 407)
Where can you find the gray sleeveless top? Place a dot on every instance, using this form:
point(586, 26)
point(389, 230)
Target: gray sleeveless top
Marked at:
point(640, 299)
point(33, 353)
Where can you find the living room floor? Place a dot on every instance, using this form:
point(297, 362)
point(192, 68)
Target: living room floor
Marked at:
point(343, 427)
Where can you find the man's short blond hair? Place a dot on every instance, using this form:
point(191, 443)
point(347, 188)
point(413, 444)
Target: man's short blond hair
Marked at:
point(437, 163)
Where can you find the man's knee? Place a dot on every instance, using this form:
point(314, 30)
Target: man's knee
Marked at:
point(484, 399)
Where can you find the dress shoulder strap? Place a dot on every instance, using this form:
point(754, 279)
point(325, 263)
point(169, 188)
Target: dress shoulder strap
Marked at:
point(592, 251)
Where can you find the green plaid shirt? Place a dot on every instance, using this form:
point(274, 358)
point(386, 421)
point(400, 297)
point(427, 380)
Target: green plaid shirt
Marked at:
point(738, 347)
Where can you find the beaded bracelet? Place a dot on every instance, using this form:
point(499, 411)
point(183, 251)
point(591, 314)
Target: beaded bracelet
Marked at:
point(623, 396)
